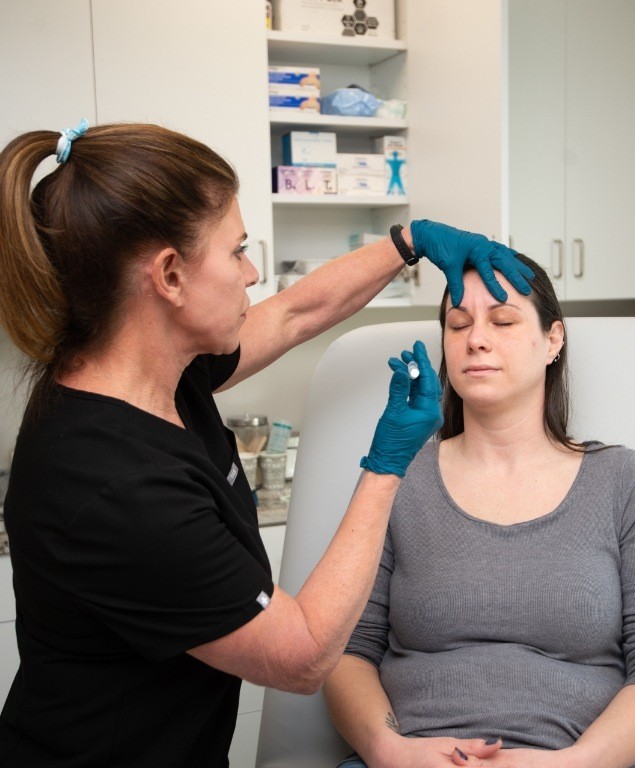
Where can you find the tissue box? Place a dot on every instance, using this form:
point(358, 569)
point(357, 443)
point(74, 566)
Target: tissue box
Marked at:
point(350, 18)
point(359, 174)
point(393, 149)
point(305, 148)
point(296, 180)
point(294, 88)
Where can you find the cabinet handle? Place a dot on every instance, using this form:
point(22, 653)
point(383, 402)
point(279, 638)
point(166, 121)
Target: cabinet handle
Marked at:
point(265, 268)
point(411, 273)
point(578, 257)
point(557, 251)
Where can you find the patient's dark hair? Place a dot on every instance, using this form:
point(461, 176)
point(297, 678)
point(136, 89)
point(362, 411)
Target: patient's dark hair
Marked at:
point(556, 409)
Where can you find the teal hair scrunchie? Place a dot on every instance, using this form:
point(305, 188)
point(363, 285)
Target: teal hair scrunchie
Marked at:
point(68, 135)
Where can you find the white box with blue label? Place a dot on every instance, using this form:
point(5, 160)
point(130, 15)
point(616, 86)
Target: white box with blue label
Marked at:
point(347, 18)
point(360, 174)
point(294, 88)
point(316, 148)
point(394, 150)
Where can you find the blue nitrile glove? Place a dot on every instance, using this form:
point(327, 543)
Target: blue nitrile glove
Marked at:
point(453, 249)
point(413, 415)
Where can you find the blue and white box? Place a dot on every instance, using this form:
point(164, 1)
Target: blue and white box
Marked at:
point(294, 88)
point(310, 148)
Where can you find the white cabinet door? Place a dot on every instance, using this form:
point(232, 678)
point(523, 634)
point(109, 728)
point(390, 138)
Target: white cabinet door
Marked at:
point(245, 742)
point(7, 598)
point(600, 149)
point(9, 659)
point(537, 93)
point(455, 120)
point(199, 67)
point(572, 161)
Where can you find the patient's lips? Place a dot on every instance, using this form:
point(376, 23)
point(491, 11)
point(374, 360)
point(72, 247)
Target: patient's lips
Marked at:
point(480, 370)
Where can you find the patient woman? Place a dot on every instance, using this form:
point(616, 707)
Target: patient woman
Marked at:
point(503, 613)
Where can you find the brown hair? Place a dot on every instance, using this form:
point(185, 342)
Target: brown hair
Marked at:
point(556, 407)
point(66, 249)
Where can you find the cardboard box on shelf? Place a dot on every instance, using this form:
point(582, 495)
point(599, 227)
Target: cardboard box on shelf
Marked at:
point(348, 18)
point(294, 88)
point(309, 148)
point(300, 77)
point(394, 151)
point(299, 180)
point(360, 174)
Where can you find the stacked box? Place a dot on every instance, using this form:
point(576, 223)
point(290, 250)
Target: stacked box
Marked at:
point(294, 88)
point(393, 148)
point(350, 18)
point(310, 148)
point(361, 174)
point(360, 239)
point(298, 180)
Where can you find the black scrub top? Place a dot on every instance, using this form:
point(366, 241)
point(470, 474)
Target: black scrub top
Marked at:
point(132, 540)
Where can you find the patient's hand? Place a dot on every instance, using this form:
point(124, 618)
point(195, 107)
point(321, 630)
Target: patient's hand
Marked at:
point(522, 758)
point(435, 752)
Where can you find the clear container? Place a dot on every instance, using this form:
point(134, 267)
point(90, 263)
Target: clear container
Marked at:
point(292, 452)
point(279, 437)
point(251, 431)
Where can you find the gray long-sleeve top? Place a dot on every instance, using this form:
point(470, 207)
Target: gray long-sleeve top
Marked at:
point(526, 631)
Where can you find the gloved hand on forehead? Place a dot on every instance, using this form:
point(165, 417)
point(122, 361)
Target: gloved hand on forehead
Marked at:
point(451, 250)
point(412, 416)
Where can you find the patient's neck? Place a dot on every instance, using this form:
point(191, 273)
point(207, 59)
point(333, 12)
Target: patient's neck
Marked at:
point(507, 437)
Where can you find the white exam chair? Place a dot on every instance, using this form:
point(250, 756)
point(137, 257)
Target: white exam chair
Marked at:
point(347, 395)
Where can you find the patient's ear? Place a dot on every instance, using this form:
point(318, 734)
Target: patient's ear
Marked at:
point(556, 339)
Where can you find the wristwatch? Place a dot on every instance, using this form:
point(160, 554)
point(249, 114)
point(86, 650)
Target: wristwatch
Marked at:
point(400, 244)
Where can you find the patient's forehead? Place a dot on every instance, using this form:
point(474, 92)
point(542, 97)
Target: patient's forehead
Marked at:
point(474, 289)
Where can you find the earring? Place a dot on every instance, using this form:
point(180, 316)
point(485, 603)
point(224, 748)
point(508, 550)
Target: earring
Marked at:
point(556, 358)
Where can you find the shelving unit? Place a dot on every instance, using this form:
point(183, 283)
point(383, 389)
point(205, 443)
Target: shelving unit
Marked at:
point(351, 126)
point(338, 201)
point(291, 48)
point(377, 65)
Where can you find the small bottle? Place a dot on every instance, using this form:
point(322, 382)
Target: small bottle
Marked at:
point(268, 14)
point(279, 437)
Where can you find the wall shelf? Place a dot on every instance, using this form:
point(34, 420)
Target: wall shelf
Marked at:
point(338, 201)
point(365, 126)
point(295, 48)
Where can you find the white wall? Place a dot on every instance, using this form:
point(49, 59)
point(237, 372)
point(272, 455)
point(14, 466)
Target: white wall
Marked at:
point(12, 392)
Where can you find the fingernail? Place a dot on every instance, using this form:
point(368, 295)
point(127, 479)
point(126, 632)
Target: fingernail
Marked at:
point(493, 740)
point(462, 755)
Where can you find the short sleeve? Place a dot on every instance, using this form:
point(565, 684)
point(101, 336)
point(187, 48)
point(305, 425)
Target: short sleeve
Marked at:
point(370, 637)
point(627, 565)
point(153, 560)
point(221, 367)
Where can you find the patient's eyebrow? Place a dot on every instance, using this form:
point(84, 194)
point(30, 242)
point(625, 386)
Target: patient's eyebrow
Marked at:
point(491, 307)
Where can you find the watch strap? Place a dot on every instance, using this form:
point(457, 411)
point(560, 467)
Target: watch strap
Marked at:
point(400, 244)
